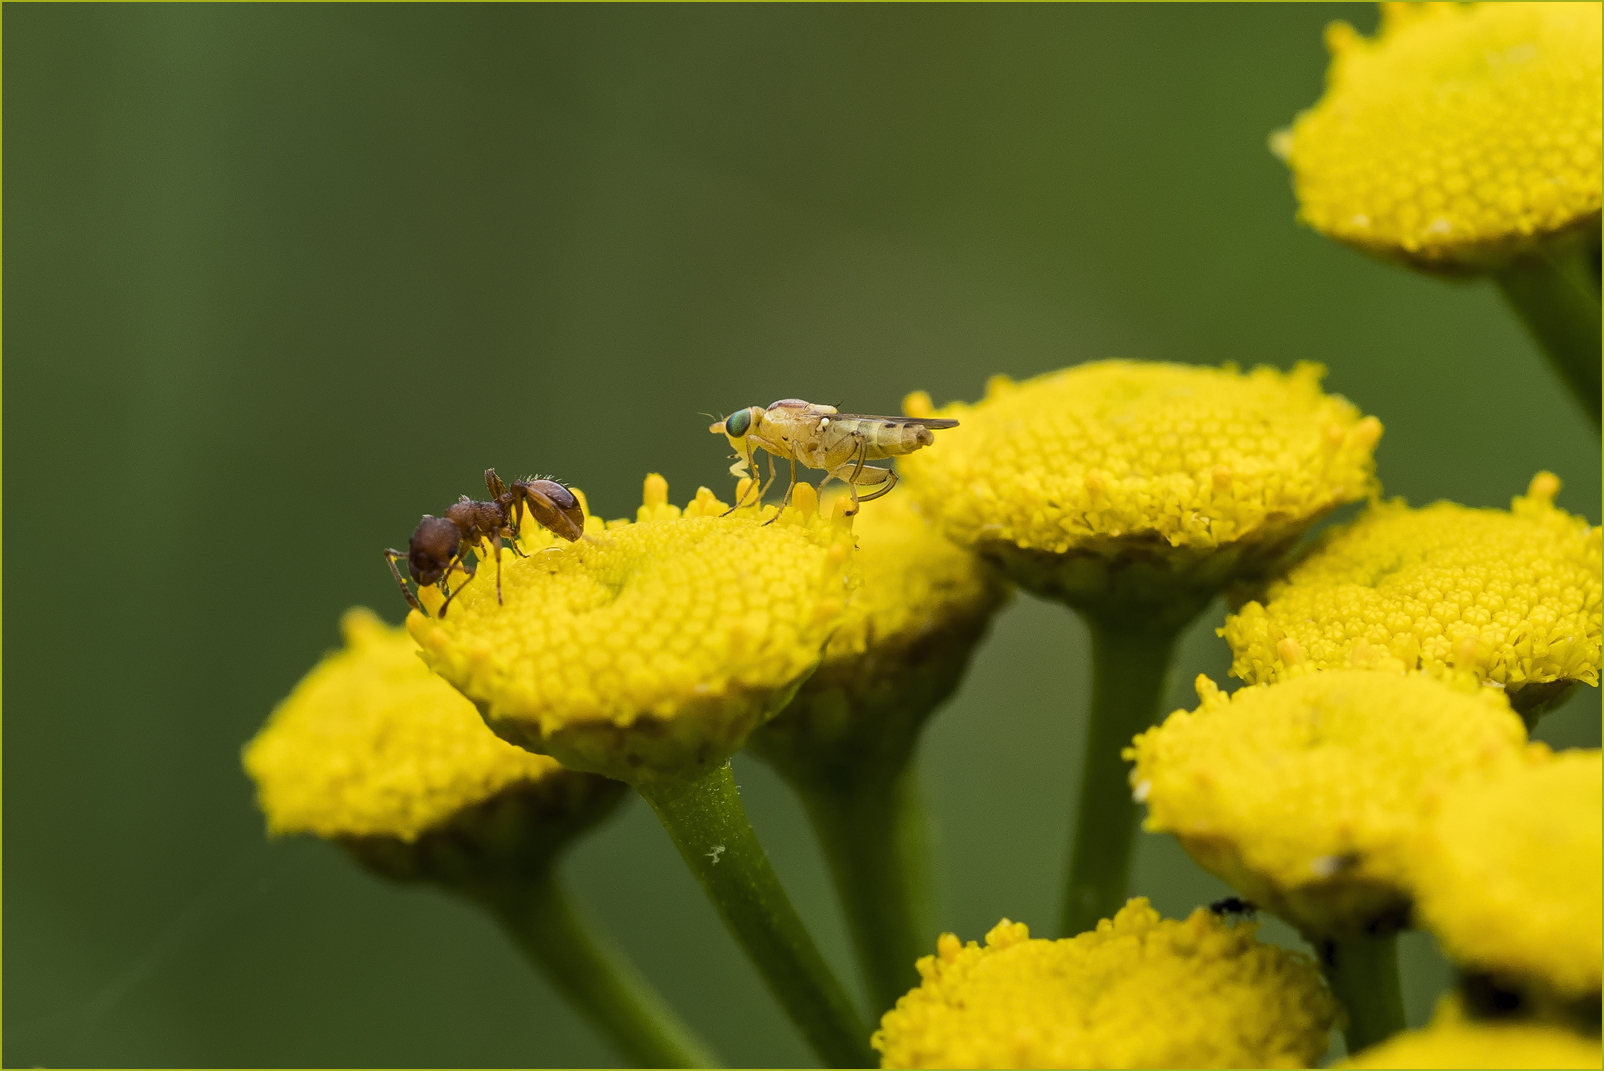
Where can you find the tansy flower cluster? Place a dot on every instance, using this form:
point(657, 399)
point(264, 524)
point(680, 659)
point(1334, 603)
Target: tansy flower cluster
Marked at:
point(1509, 598)
point(372, 744)
point(1454, 1041)
point(1306, 795)
point(1374, 772)
point(1224, 999)
point(1458, 136)
point(696, 625)
point(1109, 457)
point(1507, 873)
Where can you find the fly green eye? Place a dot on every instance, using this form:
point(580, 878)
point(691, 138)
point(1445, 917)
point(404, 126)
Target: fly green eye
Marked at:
point(739, 423)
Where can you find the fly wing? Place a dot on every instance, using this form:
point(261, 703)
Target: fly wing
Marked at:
point(896, 421)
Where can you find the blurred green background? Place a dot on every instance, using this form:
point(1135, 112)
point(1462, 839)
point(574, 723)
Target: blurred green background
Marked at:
point(280, 279)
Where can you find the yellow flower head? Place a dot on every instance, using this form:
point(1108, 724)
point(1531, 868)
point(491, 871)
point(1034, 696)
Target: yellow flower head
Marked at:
point(1508, 877)
point(1304, 795)
point(1450, 1040)
point(1138, 991)
point(1458, 136)
point(1116, 481)
point(371, 747)
point(648, 649)
point(1510, 599)
point(902, 647)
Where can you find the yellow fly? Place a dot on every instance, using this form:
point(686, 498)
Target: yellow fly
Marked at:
point(821, 438)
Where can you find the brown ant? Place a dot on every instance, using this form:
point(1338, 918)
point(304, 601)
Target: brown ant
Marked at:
point(438, 544)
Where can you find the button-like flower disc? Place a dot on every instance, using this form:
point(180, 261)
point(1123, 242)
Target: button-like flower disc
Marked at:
point(372, 745)
point(1139, 991)
point(1459, 136)
point(1074, 476)
point(1512, 599)
point(652, 648)
point(1452, 1041)
point(902, 647)
point(1508, 876)
point(1305, 795)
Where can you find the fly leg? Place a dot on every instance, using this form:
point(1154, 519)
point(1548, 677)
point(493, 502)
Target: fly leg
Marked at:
point(741, 501)
point(390, 557)
point(855, 472)
point(852, 477)
point(786, 500)
point(889, 479)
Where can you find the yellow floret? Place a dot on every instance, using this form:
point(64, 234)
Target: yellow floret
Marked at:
point(650, 649)
point(1305, 795)
point(1139, 991)
point(1079, 479)
point(372, 744)
point(1510, 599)
point(903, 645)
point(1457, 137)
point(1508, 877)
point(1452, 1041)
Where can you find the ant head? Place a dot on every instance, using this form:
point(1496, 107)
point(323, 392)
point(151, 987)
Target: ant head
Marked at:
point(431, 549)
point(554, 506)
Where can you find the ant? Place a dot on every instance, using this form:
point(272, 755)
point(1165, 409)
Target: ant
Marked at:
point(438, 544)
point(1234, 907)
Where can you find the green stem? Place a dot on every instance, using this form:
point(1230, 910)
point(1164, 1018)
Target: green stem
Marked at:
point(604, 987)
point(1363, 973)
point(709, 826)
point(871, 827)
point(1554, 295)
point(1130, 665)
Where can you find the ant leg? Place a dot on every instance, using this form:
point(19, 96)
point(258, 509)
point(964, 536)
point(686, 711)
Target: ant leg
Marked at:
point(459, 564)
point(510, 534)
point(495, 542)
point(412, 600)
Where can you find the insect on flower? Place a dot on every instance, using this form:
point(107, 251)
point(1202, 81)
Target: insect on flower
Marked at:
point(821, 438)
point(1234, 907)
point(438, 544)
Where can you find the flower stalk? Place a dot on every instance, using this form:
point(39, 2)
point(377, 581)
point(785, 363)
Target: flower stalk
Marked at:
point(708, 825)
point(871, 827)
point(1363, 973)
point(1130, 667)
point(542, 920)
point(1556, 296)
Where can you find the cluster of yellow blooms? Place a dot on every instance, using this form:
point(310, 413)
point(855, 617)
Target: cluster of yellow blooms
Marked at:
point(902, 645)
point(696, 626)
point(1511, 598)
point(1454, 1041)
point(1224, 999)
point(1373, 773)
point(1457, 137)
point(1099, 469)
point(372, 744)
point(1306, 795)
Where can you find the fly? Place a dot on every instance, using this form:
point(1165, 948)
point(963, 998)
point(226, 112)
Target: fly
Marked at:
point(820, 438)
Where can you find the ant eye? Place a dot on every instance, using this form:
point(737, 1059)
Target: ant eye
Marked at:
point(739, 423)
